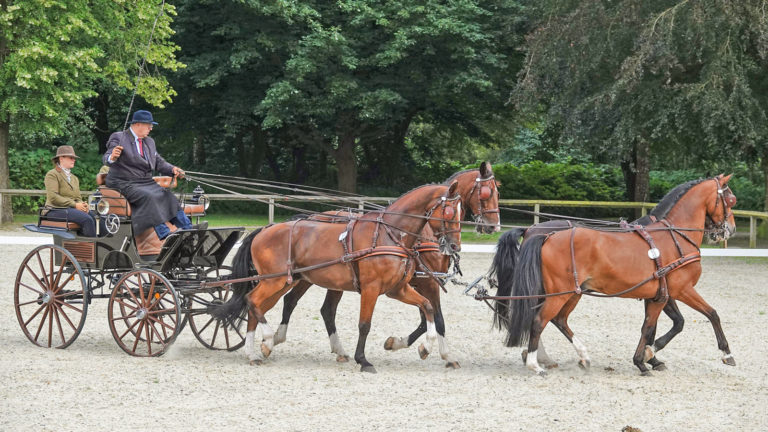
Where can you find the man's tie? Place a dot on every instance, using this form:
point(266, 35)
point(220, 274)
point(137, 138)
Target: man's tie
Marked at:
point(141, 148)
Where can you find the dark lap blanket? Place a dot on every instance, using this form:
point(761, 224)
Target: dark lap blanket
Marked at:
point(151, 204)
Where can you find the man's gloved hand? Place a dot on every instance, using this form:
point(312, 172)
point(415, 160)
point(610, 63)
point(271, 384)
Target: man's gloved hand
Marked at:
point(178, 172)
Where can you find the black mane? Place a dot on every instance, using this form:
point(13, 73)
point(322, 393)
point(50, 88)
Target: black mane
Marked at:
point(670, 199)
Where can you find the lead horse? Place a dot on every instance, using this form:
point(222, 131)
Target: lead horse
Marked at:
point(372, 254)
point(657, 262)
point(479, 194)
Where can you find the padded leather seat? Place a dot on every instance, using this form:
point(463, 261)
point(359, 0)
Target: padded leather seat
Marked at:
point(59, 224)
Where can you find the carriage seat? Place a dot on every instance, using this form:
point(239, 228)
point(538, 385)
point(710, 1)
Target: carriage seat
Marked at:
point(164, 181)
point(48, 223)
point(117, 202)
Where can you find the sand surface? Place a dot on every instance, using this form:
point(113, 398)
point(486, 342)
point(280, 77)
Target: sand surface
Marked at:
point(94, 385)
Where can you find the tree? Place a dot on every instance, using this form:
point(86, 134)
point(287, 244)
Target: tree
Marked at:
point(54, 54)
point(629, 80)
point(309, 80)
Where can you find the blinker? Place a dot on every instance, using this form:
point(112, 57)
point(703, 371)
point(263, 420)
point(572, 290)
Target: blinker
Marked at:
point(448, 213)
point(485, 192)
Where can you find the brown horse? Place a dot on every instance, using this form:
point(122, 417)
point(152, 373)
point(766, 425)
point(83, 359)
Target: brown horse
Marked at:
point(480, 195)
point(371, 254)
point(658, 262)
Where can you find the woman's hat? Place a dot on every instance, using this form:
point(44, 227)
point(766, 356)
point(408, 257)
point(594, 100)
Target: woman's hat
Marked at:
point(65, 151)
point(142, 116)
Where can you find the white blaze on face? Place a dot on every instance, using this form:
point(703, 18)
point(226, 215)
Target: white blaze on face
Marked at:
point(458, 211)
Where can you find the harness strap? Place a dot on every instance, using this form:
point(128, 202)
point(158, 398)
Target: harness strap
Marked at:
point(346, 243)
point(663, 293)
point(577, 289)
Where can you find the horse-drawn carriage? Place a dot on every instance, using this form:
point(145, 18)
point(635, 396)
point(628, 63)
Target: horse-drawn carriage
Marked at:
point(154, 288)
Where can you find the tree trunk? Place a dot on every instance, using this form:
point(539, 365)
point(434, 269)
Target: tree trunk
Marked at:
point(198, 151)
point(764, 167)
point(642, 173)
point(101, 121)
point(346, 163)
point(5, 180)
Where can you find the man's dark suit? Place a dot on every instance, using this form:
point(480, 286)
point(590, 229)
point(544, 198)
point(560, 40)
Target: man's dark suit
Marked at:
point(131, 174)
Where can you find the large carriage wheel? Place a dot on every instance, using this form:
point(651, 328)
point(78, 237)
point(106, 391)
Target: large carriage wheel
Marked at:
point(144, 313)
point(49, 296)
point(211, 332)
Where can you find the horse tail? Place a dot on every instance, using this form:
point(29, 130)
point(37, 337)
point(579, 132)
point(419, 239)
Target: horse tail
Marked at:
point(525, 282)
point(233, 311)
point(502, 270)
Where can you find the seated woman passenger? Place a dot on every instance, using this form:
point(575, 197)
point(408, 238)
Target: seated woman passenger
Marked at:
point(62, 191)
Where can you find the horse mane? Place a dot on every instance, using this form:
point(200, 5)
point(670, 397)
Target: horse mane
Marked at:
point(415, 189)
point(455, 175)
point(670, 199)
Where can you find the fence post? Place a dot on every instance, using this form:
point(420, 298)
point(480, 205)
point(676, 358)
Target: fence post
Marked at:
point(271, 210)
point(752, 232)
point(361, 205)
point(536, 209)
point(1, 207)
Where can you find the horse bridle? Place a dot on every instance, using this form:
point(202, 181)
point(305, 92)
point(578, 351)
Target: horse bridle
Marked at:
point(444, 231)
point(728, 203)
point(484, 193)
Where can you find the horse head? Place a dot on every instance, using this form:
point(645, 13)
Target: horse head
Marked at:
point(444, 218)
point(483, 200)
point(720, 223)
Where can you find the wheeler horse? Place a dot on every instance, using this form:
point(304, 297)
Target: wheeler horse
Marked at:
point(657, 262)
point(372, 254)
point(479, 194)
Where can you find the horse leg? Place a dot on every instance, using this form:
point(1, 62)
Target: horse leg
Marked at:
point(693, 299)
point(678, 321)
point(644, 351)
point(255, 317)
point(290, 301)
point(408, 295)
point(262, 299)
point(561, 322)
point(549, 309)
point(368, 299)
point(328, 311)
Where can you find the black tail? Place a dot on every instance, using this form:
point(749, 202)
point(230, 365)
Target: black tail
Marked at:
point(527, 281)
point(502, 270)
point(233, 311)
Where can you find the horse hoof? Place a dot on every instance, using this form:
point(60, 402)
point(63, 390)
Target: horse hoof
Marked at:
point(646, 373)
point(369, 369)
point(524, 355)
point(660, 367)
point(452, 365)
point(423, 353)
point(265, 350)
point(256, 362)
point(585, 364)
point(342, 358)
point(389, 343)
point(729, 361)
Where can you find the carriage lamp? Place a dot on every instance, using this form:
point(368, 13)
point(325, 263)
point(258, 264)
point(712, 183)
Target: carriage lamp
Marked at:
point(199, 197)
point(97, 204)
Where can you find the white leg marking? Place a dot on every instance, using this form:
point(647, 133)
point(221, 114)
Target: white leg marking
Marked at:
point(431, 336)
point(336, 347)
point(542, 356)
point(649, 353)
point(533, 364)
point(399, 343)
point(443, 347)
point(267, 335)
point(280, 335)
point(727, 356)
point(249, 352)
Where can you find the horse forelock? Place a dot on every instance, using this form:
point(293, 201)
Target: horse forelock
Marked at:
point(672, 197)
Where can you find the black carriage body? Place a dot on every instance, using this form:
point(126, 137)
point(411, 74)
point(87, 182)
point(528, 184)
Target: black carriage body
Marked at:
point(162, 292)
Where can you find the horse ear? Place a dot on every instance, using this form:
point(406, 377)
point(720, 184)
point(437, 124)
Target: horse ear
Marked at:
point(485, 169)
point(452, 189)
point(724, 179)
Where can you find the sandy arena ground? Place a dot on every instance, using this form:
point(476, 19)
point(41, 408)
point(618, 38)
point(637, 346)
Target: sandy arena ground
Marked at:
point(94, 385)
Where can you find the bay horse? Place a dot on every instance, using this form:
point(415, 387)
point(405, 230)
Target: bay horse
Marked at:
point(479, 194)
point(656, 262)
point(371, 254)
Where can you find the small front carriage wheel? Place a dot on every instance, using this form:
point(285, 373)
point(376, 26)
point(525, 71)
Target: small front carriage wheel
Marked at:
point(49, 296)
point(144, 313)
point(211, 332)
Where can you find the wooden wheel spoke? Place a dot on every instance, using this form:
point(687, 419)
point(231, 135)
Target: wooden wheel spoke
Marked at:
point(42, 307)
point(39, 281)
point(130, 291)
point(148, 336)
point(37, 300)
point(158, 300)
point(215, 333)
point(141, 288)
point(202, 329)
point(55, 313)
point(138, 332)
point(68, 305)
point(31, 288)
point(66, 317)
point(151, 290)
point(66, 282)
point(128, 330)
point(42, 322)
point(69, 294)
point(42, 269)
point(50, 259)
point(122, 303)
point(50, 326)
point(161, 322)
point(55, 283)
